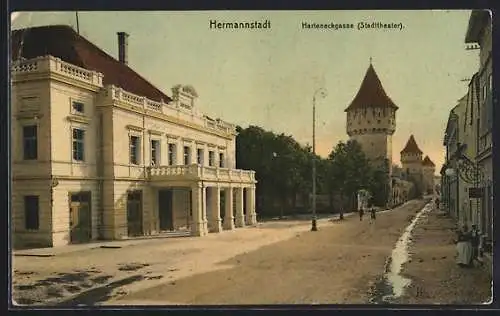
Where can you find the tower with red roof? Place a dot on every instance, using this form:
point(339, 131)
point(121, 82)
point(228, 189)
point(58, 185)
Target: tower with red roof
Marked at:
point(411, 161)
point(371, 119)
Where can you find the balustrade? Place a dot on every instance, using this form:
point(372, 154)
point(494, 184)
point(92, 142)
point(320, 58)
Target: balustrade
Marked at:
point(161, 173)
point(56, 65)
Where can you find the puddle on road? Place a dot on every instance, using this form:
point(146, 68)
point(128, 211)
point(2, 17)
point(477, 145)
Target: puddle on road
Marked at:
point(392, 285)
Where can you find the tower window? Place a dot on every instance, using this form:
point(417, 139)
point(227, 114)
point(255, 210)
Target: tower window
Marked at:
point(378, 121)
point(368, 121)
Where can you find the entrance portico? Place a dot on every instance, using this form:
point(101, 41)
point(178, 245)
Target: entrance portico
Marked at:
point(206, 185)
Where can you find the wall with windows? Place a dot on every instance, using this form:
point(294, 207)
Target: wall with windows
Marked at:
point(31, 222)
point(133, 135)
point(74, 131)
point(30, 138)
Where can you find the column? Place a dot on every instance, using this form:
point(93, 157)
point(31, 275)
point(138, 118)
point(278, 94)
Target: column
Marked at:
point(179, 152)
point(204, 207)
point(251, 216)
point(214, 222)
point(198, 221)
point(240, 216)
point(228, 212)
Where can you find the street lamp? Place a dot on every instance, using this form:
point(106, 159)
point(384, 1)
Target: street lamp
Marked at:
point(274, 156)
point(321, 92)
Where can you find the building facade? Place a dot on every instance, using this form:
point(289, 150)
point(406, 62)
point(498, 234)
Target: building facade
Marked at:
point(479, 32)
point(467, 175)
point(100, 153)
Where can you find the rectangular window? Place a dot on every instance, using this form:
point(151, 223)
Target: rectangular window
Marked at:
point(211, 158)
point(155, 152)
point(171, 154)
point(134, 150)
point(31, 212)
point(221, 160)
point(30, 142)
point(78, 144)
point(199, 154)
point(77, 107)
point(187, 155)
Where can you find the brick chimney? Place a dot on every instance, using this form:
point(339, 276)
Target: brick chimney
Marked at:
point(123, 47)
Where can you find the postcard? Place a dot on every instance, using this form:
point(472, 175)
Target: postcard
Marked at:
point(219, 158)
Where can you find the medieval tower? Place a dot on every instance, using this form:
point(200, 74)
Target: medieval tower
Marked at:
point(419, 171)
point(411, 161)
point(371, 120)
point(428, 171)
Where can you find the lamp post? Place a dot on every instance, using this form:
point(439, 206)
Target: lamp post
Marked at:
point(321, 92)
point(274, 156)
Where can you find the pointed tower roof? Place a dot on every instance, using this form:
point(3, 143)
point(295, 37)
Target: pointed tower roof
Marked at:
point(428, 162)
point(371, 93)
point(411, 147)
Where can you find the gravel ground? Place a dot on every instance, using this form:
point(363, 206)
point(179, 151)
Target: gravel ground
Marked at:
point(337, 264)
point(436, 278)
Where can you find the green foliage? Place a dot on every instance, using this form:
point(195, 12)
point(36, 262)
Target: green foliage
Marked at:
point(284, 169)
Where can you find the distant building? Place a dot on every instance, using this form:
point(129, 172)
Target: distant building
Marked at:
point(371, 121)
point(98, 152)
point(428, 171)
point(417, 170)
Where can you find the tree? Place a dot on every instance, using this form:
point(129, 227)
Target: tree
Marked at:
point(283, 167)
point(349, 171)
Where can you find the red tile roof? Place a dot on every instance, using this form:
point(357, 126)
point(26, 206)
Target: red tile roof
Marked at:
point(371, 93)
point(411, 147)
point(428, 162)
point(63, 42)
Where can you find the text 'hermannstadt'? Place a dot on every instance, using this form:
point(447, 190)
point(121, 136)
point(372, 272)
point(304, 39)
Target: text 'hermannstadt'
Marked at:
point(251, 25)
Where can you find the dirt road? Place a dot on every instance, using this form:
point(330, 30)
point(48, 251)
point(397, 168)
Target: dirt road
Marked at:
point(276, 262)
point(334, 265)
point(436, 278)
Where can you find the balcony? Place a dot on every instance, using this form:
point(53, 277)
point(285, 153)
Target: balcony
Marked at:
point(112, 94)
point(46, 65)
point(200, 173)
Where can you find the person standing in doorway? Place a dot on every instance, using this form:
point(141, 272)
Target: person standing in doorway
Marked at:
point(475, 241)
point(464, 247)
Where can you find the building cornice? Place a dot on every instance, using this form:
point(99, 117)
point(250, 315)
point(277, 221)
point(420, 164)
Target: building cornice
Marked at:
point(134, 128)
point(169, 119)
point(78, 119)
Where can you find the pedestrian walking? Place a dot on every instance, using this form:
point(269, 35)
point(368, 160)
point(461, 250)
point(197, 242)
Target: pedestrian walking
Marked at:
point(475, 243)
point(361, 213)
point(373, 215)
point(464, 247)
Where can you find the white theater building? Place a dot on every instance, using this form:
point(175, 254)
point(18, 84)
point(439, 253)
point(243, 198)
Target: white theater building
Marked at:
point(100, 153)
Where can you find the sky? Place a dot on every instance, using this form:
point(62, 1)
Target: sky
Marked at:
point(268, 77)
